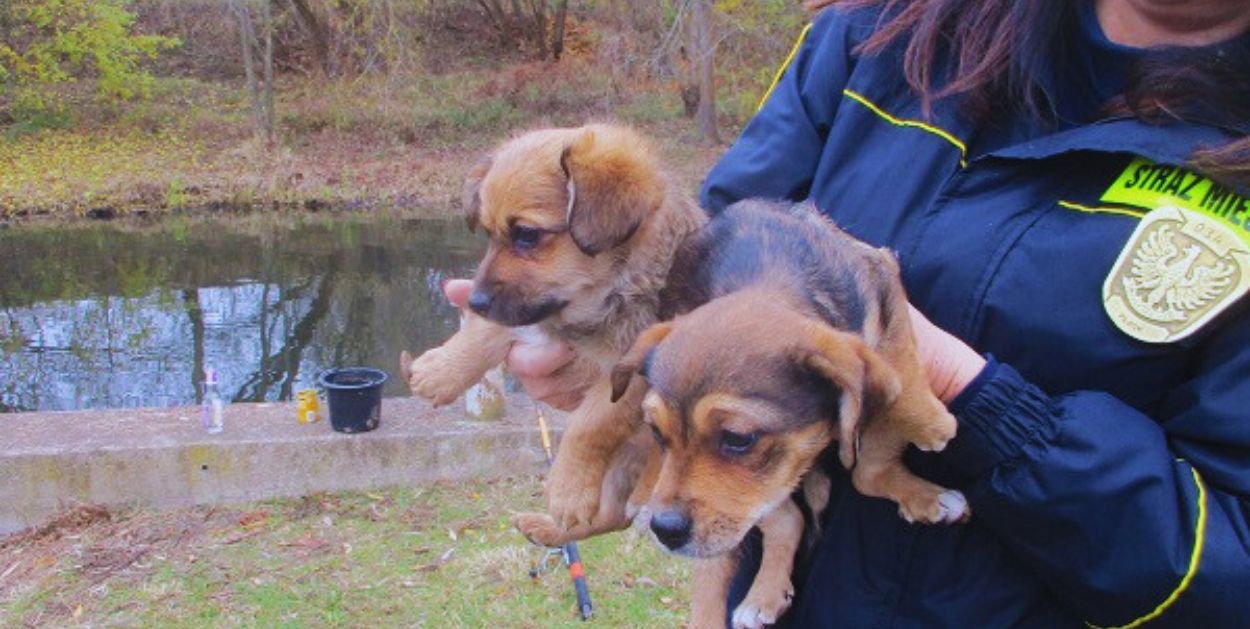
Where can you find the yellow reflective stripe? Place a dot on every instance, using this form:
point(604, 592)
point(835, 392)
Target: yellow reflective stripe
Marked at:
point(1200, 536)
point(784, 64)
point(1100, 209)
point(903, 122)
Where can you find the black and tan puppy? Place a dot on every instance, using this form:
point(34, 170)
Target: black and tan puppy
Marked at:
point(801, 336)
point(583, 227)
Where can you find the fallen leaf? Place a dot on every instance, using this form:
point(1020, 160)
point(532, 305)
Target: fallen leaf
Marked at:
point(253, 518)
point(438, 563)
point(452, 534)
point(78, 612)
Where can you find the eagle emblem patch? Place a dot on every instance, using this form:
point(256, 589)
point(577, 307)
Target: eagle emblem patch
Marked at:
point(1179, 270)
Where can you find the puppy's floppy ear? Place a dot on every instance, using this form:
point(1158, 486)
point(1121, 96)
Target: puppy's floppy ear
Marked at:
point(471, 192)
point(632, 361)
point(868, 383)
point(613, 184)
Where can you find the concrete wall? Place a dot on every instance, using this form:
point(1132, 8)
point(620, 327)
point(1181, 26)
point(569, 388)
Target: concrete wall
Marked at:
point(163, 458)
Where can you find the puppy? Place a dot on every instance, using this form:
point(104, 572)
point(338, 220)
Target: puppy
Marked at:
point(583, 226)
point(794, 324)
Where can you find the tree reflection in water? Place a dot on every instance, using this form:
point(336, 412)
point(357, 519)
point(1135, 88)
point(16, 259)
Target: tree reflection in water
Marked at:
point(108, 317)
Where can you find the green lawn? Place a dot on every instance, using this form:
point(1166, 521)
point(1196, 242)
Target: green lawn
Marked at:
point(442, 556)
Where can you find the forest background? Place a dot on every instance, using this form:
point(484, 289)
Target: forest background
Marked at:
point(112, 108)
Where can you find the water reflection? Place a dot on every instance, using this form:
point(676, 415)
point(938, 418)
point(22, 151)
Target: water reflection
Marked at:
point(107, 317)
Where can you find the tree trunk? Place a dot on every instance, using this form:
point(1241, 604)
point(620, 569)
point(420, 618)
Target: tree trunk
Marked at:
point(247, 38)
point(494, 11)
point(539, 8)
point(704, 51)
point(504, 23)
point(557, 29)
point(316, 33)
point(261, 98)
point(267, 12)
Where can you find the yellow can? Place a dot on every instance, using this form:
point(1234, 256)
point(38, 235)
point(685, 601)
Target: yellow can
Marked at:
point(308, 405)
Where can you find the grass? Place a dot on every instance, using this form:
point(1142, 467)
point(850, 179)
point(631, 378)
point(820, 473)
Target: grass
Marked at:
point(441, 556)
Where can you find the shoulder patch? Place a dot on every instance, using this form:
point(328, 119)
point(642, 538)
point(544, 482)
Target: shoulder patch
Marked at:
point(1179, 270)
point(1187, 261)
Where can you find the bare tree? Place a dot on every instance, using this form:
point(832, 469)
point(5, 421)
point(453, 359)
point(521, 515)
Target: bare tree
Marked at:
point(538, 28)
point(317, 32)
point(703, 51)
point(557, 28)
point(261, 97)
point(519, 21)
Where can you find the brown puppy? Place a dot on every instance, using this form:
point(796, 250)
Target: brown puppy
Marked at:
point(583, 227)
point(797, 324)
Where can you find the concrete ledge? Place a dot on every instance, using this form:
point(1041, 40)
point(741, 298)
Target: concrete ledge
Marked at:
point(163, 457)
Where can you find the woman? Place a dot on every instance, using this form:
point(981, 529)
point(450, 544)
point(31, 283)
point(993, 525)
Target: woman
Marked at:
point(1065, 184)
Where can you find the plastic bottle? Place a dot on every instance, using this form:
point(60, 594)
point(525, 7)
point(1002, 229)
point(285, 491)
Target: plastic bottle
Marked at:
point(213, 404)
point(309, 407)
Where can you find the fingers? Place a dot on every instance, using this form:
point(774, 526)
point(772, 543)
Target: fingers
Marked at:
point(538, 360)
point(457, 292)
point(948, 362)
point(552, 373)
point(562, 389)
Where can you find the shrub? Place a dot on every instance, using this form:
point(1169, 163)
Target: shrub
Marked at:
point(54, 42)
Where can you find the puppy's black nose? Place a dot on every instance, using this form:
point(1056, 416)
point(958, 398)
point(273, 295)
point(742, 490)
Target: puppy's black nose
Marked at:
point(479, 301)
point(671, 527)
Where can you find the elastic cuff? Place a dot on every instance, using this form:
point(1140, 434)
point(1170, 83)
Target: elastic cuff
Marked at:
point(998, 413)
point(973, 388)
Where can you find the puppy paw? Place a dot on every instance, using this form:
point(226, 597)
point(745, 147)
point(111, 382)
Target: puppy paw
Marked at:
point(940, 507)
point(573, 498)
point(954, 507)
point(760, 609)
point(539, 529)
point(936, 434)
point(434, 376)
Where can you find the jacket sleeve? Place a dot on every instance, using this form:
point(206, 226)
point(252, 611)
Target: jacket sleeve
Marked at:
point(1125, 518)
point(779, 150)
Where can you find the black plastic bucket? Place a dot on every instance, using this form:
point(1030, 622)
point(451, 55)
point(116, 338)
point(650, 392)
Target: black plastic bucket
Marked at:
point(354, 397)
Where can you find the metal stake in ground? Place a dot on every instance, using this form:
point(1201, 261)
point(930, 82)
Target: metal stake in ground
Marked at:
point(572, 558)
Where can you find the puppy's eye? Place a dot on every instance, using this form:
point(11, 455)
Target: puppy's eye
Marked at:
point(524, 237)
point(737, 444)
point(655, 432)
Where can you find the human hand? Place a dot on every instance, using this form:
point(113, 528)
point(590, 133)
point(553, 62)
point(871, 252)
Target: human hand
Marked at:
point(948, 362)
point(550, 370)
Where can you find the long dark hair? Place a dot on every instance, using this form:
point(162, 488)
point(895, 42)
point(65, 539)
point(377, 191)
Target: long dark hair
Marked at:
point(997, 50)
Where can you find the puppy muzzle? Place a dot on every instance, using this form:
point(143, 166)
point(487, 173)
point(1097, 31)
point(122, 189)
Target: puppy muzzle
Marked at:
point(512, 312)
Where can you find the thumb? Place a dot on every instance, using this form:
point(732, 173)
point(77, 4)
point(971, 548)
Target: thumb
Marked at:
point(457, 292)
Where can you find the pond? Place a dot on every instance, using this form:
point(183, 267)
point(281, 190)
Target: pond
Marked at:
point(106, 316)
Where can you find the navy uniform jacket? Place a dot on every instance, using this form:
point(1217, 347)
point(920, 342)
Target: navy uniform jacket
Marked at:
point(1109, 478)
